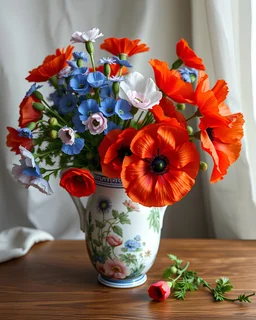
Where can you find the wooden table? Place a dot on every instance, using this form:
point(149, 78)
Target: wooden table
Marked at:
point(55, 280)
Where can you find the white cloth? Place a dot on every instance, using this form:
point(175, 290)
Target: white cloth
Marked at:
point(16, 242)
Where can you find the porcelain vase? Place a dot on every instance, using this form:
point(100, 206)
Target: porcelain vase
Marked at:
point(122, 237)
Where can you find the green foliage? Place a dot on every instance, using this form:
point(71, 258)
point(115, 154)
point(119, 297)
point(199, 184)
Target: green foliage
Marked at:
point(118, 230)
point(128, 258)
point(154, 219)
point(124, 218)
point(115, 214)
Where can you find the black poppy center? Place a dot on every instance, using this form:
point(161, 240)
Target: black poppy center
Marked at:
point(95, 123)
point(210, 133)
point(159, 164)
point(123, 152)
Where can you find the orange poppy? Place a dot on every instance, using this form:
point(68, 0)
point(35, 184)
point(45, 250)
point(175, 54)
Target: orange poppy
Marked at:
point(27, 112)
point(13, 141)
point(113, 149)
point(51, 66)
point(171, 83)
point(222, 142)
point(188, 56)
point(163, 166)
point(123, 46)
point(167, 110)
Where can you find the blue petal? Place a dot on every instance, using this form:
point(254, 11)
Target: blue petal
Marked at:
point(107, 107)
point(31, 172)
point(122, 109)
point(75, 148)
point(111, 126)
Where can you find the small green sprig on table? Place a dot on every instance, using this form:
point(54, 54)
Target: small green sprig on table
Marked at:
point(181, 280)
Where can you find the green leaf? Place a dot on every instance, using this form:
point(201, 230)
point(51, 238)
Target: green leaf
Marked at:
point(124, 218)
point(118, 230)
point(167, 273)
point(115, 214)
point(100, 224)
point(124, 249)
point(128, 258)
point(244, 298)
point(96, 242)
point(175, 259)
point(180, 295)
point(154, 219)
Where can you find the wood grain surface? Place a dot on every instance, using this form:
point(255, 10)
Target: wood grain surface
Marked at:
point(55, 280)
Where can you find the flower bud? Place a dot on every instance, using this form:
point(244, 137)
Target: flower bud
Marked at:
point(38, 106)
point(173, 270)
point(123, 56)
point(190, 130)
point(115, 88)
point(203, 166)
point(192, 78)
point(169, 284)
point(42, 170)
point(31, 126)
point(53, 122)
point(38, 95)
point(54, 134)
point(180, 106)
point(177, 64)
point(107, 69)
point(79, 63)
point(89, 47)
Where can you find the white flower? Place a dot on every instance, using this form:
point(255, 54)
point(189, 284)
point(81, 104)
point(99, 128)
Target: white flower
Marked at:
point(28, 157)
point(82, 37)
point(67, 135)
point(18, 174)
point(42, 185)
point(96, 123)
point(140, 92)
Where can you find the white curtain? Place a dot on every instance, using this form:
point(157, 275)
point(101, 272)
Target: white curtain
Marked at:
point(224, 35)
point(220, 32)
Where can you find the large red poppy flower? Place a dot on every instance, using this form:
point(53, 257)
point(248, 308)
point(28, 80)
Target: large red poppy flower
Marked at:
point(171, 83)
point(167, 110)
point(51, 66)
point(27, 112)
point(163, 166)
point(13, 141)
point(222, 142)
point(113, 149)
point(123, 46)
point(188, 56)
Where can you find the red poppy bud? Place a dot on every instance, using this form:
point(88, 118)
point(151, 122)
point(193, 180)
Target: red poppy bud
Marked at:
point(159, 291)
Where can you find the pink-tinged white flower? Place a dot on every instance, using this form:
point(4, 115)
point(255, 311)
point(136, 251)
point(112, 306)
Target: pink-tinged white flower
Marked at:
point(140, 92)
point(114, 240)
point(100, 267)
point(28, 157)
point(116, 269)
point(42, 185)
point(82, 37)
point(96, 123)
point(131, 206)
point(67, 135)
point(18, 174)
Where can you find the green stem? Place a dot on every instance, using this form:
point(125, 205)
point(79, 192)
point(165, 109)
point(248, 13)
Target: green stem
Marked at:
point(181, 272)
point(193, 116)
point(53, 112)
point(92, 61)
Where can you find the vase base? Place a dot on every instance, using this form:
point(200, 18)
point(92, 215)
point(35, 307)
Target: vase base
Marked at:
point(129, 283)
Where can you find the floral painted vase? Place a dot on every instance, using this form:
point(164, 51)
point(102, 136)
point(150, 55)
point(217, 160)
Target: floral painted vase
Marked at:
point(122, 237)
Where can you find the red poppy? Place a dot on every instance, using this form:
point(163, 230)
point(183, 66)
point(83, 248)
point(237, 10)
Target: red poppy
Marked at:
point(222, 142)
point(51, 66)
point(163, 166)
point(27, 112)
point(114, 67)
point(171, 83)
point(159, 291)
point(113, 149)
point(13, 141)
point(123, 46)
point(166, 110)
point(78, 182)
point(188, 56)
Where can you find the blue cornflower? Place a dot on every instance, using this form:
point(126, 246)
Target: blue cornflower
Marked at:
point(87, 108)
point(33, 88)
point(132, 245)
point(79, 84)
point(122, 62)
point(111, 126)
point(187, 73)
point(79, 126)
point(97, 79)
point(123, 108)
point(25, 132)
point(107, 107)
point(67, 103)
point(56, 96)
point(106, 60)
point(82, 70)
point(75, 148)
point(80, 55)
point(106, 92)
point(72, 64)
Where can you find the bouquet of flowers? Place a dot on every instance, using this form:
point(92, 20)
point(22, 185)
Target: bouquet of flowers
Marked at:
point(102, 117)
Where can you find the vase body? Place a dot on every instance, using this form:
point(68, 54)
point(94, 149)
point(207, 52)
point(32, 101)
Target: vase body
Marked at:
point(122, 237)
